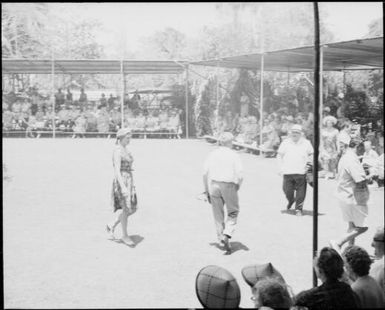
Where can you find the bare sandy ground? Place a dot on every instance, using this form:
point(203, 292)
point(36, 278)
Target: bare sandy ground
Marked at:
point(57, 202)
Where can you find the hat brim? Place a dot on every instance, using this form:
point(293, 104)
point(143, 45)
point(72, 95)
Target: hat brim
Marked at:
point(254, 273)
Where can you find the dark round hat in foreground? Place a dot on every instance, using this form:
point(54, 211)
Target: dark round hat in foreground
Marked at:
point(253, 273)
point(217, 288)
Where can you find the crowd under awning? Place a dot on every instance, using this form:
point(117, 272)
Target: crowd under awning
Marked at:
point(363, 54)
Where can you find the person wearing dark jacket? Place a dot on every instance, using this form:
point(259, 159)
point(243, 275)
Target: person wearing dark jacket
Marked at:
point(332, 293)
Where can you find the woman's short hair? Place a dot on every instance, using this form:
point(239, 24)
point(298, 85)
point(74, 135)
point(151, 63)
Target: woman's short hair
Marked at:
point(272, 293)
point(330, 263)
point(358, 260)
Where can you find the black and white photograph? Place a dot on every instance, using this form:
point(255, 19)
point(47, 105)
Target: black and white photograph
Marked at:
point(192, 155)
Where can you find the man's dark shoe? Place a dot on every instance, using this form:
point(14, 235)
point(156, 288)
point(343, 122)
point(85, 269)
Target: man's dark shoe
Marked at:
point(289, 205)
point(226, 244)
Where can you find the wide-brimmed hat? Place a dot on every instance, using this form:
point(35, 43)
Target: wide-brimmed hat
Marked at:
point(254, 273)
point(296, 128)
point(329, 118)
point(217, 288)
point(123, 132)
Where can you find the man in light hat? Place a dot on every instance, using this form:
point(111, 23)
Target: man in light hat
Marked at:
point(222, 178)
point(295, 154)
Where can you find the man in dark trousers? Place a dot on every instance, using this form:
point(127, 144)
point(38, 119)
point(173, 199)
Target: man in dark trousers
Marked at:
point(295, 153)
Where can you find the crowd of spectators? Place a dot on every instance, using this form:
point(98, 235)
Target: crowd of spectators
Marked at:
point(349, 280)
point(276, 126)
point(32, 114)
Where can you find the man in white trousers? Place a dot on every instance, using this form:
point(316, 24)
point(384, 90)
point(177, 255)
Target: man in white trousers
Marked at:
point(222, 178)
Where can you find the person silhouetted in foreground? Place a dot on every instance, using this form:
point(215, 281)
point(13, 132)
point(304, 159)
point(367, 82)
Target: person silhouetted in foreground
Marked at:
point(357, 264)
point(377, 268)
point(332, 293)
point(271, 293)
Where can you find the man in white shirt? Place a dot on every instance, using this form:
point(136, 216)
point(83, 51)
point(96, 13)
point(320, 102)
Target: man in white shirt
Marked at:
point(353, 195)
point(222, 178)
point(295, 153)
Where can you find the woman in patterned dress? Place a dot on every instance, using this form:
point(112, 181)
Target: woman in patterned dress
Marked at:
point(329, 147)
point(122, 187)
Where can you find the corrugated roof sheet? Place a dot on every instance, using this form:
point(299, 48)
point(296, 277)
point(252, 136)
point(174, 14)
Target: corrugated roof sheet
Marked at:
point(362, 54)
point(38, 66)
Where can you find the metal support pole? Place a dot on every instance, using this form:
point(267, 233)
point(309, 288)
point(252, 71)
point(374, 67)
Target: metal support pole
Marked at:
point(122, 95)
point(317, 97)
point(217, 93)
point(53, 96)
point(261, 104)
point(321, 105)
point(186, 101)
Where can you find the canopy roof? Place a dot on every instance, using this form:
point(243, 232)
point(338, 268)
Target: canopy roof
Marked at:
point(152, 91)
point(35, 66)
point(350, 55)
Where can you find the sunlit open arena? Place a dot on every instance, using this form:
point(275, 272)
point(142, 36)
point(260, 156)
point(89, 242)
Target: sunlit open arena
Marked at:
point(57, 253)
point(193, 155)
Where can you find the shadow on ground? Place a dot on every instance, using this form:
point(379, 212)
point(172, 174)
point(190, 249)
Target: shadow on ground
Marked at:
point(235, 246)
point(305, 212)
point(135, 238)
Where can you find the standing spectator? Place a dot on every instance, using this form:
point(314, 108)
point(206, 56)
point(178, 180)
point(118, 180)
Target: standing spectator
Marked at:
point(295, 154)
point(116, 118)
point(69, 96)
point(59, 100)
point(103, 121)
point(80, 126)
point(82, 97)
point(332, 293)
point(30, 131)
point(329, 147)
point(357, 264)
point(91, 117)
point(174, 124)
point(369, 159)
point(377, 268)
point(353, 195)
point(163, 120)
point(103, 101)
point(222, 179)
point(111, 103)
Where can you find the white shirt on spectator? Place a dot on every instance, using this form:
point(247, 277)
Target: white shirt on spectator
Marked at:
point(295, 155)
point(370, 158)
point(224, 165)
point(343, 137)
